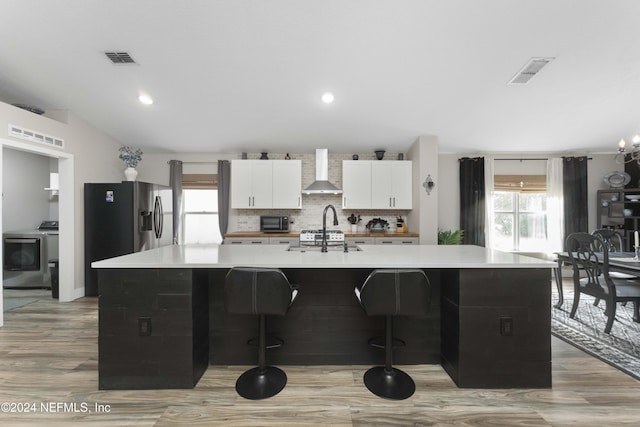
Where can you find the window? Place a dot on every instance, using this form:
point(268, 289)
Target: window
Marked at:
point(520, 213)
point(200, 223)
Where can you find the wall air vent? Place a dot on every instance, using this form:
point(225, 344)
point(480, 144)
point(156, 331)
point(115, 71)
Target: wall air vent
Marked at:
point(120, 58)
point(530, 69)
point(32, 108)
point(31, 135)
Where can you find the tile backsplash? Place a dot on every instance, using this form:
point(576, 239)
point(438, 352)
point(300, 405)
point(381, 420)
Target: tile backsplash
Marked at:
point(310, 216)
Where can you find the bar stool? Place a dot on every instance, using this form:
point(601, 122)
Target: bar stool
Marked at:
point(261, 291)
point(389, 292)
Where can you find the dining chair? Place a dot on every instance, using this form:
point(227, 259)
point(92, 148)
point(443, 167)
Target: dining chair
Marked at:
point(589, 256)
point(613, 239)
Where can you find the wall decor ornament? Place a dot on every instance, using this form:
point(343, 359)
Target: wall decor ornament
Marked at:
point(428, 184)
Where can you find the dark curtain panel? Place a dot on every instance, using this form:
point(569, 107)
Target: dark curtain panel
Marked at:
point(175, 181)
point(574, 189)
point(224, 177)
point(472, 200)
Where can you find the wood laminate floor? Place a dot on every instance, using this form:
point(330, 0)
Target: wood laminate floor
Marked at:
point(49, 376)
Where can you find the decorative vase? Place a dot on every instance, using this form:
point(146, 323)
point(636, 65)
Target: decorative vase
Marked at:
point(354, 228)
point(379, 154)
point(131, 174)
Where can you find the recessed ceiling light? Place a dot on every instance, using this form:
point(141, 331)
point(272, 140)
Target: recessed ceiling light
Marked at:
point(327, 98)
point(146, 100)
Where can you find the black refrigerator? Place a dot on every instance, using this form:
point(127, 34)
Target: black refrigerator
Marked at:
point(122, 218)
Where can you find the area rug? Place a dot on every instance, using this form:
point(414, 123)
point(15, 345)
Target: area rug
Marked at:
point(620, 348)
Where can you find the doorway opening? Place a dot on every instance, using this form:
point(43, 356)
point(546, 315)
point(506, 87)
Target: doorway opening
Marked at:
point(35, 209)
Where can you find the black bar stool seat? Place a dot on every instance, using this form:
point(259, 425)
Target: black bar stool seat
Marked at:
point(393, 292)
point(261, 291)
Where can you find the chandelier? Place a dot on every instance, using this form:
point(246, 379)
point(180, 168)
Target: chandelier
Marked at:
point(634, 154)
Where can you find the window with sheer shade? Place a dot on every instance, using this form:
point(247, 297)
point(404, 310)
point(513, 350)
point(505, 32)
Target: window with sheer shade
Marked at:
point(520, 213)
point(200, 199)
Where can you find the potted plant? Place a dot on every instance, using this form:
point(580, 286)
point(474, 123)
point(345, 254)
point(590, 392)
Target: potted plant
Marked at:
point(131, 157)
point(354, 220)
point(450, 237)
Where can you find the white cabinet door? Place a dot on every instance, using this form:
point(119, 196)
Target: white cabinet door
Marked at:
point(397, 241)
point(351, 241)
point(291, 241)
point(241, 184)
point(381, 185)
point(391, 184)
point(287, 184)
point(246, 241)
point(262, 184)
point(251, 184)
point(402, 184)
point(356, 184)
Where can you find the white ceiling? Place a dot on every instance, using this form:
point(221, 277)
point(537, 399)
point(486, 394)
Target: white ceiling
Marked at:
point(247, 75)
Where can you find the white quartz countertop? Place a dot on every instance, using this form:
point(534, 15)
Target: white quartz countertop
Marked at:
point(371, 256)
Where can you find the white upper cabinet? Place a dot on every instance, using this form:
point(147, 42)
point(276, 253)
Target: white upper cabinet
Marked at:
point(391, 184)
point(377, 184)
point(287, 183)
point(266, 184)
point(356, 184)
point(251, 185)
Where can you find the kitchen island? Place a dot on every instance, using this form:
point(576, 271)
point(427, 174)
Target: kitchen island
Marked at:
point(162, 320)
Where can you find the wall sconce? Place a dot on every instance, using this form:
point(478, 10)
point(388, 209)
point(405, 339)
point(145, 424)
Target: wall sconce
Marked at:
point(428, 184)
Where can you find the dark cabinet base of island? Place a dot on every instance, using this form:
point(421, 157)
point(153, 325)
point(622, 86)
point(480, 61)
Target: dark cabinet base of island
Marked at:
point(153, 328)
point(162, 328)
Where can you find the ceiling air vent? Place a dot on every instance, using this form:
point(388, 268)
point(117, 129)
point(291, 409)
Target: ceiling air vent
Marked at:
point(120, 57)
point(530, 69)
point(31, 135)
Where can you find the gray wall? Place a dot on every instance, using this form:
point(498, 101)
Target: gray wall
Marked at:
point(25, 202)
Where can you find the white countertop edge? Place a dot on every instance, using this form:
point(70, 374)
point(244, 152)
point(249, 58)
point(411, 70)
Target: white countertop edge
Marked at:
point(371, 256)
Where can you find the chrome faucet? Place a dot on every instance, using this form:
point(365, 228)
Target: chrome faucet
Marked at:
point(324, 225)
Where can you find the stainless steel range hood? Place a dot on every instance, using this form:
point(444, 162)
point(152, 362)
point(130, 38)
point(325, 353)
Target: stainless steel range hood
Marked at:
point(322, 185)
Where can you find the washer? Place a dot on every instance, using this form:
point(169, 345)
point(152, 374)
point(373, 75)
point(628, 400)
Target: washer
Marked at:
point(26, 254)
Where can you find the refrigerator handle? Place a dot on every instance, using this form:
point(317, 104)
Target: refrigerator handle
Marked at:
point(155, 217)
point(161, 217)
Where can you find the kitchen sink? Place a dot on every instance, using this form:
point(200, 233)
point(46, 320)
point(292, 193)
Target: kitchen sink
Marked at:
point(336, 248)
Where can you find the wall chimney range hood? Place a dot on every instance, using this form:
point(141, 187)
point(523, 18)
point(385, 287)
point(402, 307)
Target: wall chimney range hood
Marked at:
point(322, 185)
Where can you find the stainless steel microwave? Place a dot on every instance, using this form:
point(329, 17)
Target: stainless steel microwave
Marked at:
point(274, 224)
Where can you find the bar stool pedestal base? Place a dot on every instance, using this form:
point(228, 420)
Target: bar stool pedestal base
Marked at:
point(394, 384)
point(256, 383)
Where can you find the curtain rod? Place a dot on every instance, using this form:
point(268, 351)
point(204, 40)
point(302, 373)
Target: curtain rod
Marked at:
point(195, 163)
point(530, 158)
point(537, 158)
